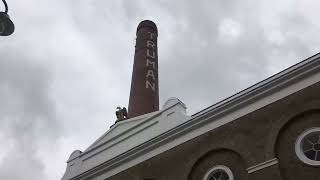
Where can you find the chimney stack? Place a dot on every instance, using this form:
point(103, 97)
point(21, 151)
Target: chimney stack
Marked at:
point(144, 93)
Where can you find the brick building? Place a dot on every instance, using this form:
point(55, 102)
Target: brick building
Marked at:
point(268, 131)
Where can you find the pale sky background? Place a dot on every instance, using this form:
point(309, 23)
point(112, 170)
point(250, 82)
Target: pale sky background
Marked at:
point(68, 65)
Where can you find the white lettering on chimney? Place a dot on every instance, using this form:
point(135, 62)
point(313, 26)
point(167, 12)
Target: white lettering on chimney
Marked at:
point(150, 44)
point(150, 64)
point(151, 74)
point(148, 84)
point(151, 35)
point(151, 56)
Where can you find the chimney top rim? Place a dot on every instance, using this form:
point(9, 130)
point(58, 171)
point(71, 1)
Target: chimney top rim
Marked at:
point(149, 24)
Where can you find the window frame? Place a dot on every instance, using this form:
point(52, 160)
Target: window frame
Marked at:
point(299, 150)
point(216, 168)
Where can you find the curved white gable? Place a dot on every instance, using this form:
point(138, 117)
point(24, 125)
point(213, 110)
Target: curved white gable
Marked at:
point(126, 135)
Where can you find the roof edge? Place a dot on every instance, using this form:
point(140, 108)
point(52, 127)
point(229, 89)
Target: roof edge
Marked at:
point(281, 80)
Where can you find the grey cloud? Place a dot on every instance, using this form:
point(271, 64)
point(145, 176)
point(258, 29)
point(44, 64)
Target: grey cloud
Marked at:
point(20, 164)
point(69, 63)
point(26, 115)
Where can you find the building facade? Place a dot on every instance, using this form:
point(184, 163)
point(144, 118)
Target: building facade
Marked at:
point(268, 131)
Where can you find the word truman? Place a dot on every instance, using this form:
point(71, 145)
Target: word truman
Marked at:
point(150, 63)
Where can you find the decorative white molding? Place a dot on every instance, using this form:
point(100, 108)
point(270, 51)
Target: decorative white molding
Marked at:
point(119, 141)
point(124, 136)
point(263, 165)
point(123, 128)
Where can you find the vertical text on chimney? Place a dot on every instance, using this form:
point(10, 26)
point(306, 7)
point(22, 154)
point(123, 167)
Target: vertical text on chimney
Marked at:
point(150, 63)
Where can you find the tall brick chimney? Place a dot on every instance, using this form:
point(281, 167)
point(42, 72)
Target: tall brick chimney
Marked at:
point(144, 93)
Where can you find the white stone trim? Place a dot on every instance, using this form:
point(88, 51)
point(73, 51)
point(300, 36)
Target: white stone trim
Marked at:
point(218, 167)
point(119, 141)
point(298, 148)
point(262, 165)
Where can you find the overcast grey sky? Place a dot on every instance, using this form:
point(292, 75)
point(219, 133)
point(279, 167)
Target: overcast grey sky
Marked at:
point(68, 65)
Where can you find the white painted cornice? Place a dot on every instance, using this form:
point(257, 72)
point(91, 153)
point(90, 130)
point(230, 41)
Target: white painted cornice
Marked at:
point(126, 135)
